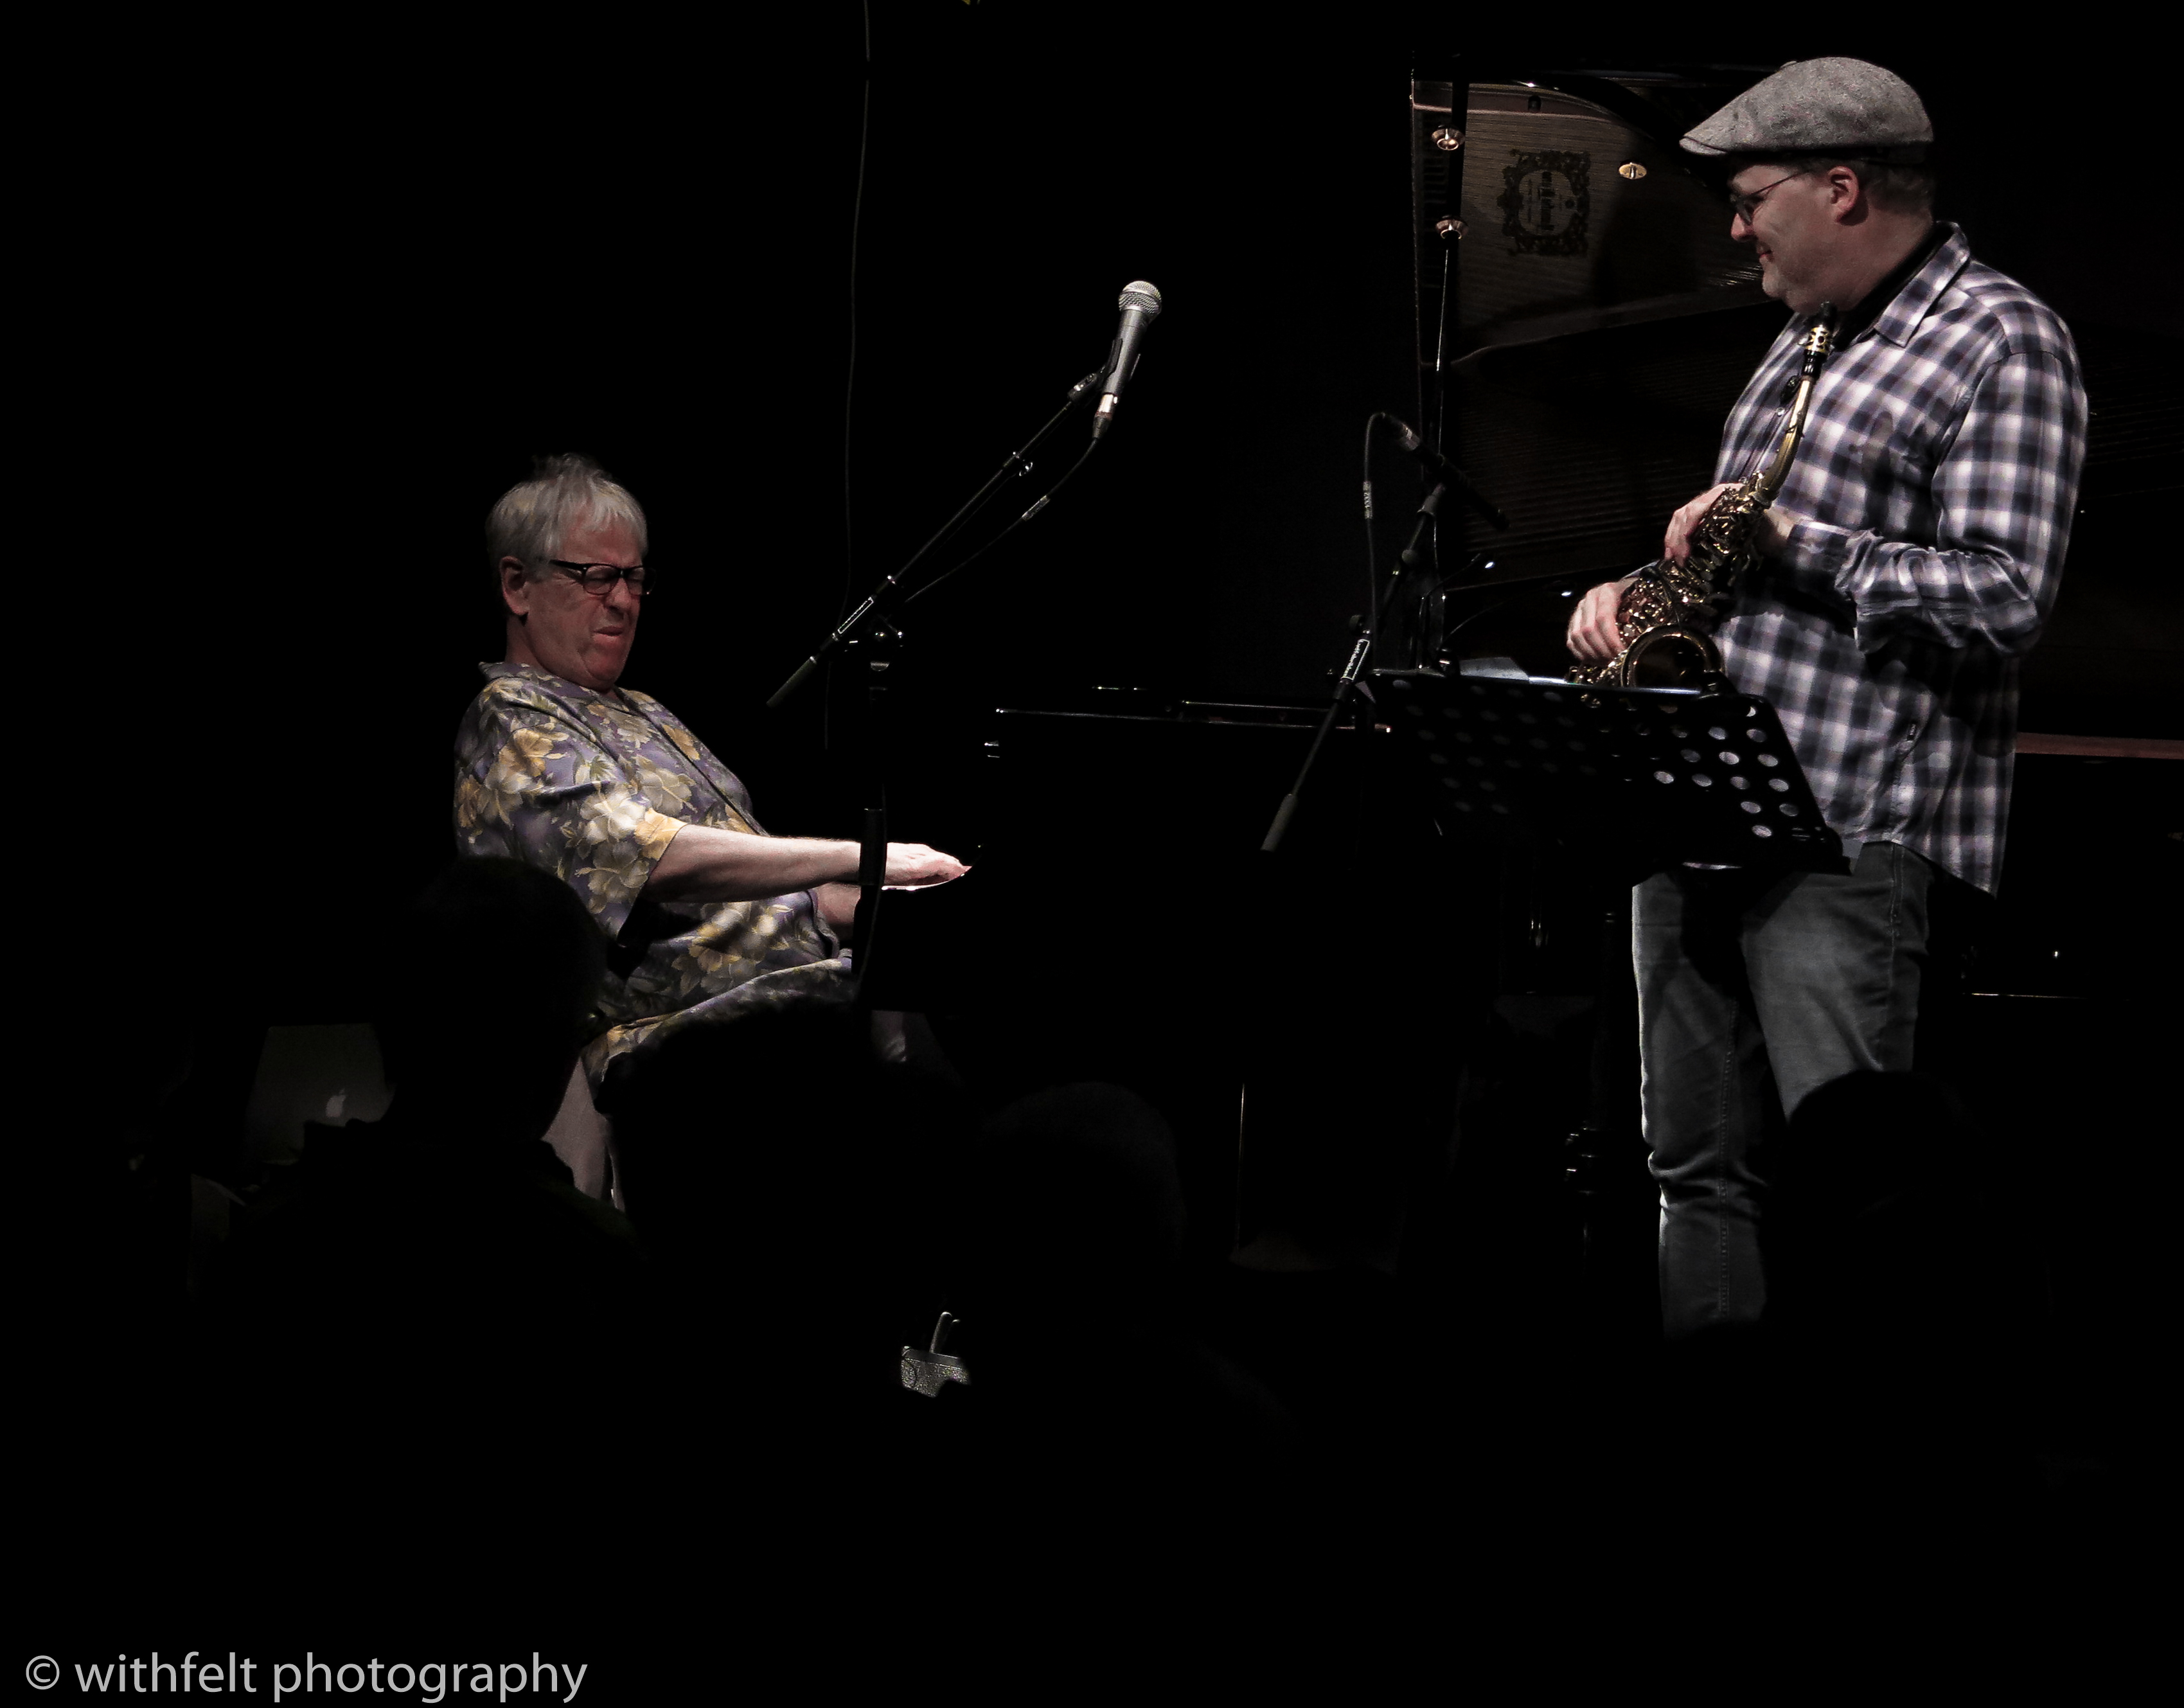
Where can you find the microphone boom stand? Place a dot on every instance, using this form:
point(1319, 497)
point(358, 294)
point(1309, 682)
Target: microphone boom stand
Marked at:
point(885, 641)
point(1367, 625)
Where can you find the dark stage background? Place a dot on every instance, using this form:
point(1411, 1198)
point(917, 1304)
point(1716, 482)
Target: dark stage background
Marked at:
point(311, 329)
point(375, 293)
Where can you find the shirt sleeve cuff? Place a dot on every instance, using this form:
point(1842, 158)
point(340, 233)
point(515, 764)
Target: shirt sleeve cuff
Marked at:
point(617, 873)
point(1818, 547)
point(653, 835)
point(1864, 576)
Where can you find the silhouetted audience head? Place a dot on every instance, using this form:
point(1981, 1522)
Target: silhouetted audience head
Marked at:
point(1898, 1295)
point(484, 990)
point(1864, 1138)
point(1334, 1172)
point(741, 1136)
point(1074, 1197)
point(1091, 1390)
point(797, 1189)
point(1874, 1187)
point(430, 1304)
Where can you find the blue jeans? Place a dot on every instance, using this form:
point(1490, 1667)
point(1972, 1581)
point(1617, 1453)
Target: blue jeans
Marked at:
point(1755, 989)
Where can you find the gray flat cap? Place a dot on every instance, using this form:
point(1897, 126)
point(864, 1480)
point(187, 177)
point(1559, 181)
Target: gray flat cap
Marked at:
point(1819, 106)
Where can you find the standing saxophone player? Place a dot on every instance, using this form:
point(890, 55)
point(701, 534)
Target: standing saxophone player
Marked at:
point(1908, 561)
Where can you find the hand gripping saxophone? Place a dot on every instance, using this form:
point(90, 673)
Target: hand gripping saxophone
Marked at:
point(1667, 614)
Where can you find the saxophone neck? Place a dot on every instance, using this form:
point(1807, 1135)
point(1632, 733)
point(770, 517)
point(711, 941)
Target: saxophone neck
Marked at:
point(1819, 344)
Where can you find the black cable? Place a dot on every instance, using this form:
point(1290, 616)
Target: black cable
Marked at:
point(849, 384)
point(849, 389)
point(1020, 461)
point(885, 596)
point(1380, 600)
point(1037, 504)
point(1525, 592)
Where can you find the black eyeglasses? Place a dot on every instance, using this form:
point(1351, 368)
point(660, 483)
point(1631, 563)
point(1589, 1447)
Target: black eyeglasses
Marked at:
point(1740, 207)
point(598, 580)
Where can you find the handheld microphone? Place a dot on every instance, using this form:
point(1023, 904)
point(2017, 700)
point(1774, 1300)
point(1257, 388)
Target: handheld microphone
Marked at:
point(1141, 304)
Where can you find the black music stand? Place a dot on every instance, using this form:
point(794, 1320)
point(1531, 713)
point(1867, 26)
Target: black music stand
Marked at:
point(1648, 777)
point(1632, 780)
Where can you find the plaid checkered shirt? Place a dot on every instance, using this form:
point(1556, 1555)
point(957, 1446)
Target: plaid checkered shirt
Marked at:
point(1929, 505)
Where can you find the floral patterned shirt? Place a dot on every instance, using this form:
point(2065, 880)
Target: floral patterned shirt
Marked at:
point(591, 785)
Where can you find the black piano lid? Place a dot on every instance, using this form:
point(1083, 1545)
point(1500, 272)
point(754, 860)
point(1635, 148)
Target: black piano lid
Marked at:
point(1598, 321)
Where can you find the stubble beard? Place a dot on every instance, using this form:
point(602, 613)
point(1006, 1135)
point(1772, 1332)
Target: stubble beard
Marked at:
point(1785, 287)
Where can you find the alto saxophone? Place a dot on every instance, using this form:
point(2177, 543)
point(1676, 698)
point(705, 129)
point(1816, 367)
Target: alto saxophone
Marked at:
point(1671, 607)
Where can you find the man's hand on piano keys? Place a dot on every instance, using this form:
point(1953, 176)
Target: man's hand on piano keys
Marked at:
point(913, 866)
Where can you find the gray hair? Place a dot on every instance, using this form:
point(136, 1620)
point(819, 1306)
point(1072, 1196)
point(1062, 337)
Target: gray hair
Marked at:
point(532, 519)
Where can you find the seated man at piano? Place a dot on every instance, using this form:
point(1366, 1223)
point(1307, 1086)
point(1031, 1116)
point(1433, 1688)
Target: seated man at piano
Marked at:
point(707, 916)
point(1907, 562)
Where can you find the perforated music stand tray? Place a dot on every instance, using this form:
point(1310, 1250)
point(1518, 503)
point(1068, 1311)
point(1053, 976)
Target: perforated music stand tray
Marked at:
point(1652, 775)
